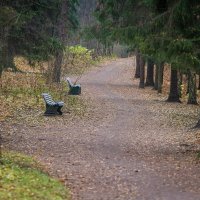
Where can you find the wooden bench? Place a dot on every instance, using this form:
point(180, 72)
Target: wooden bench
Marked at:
point(52, 107)
point(73, 89)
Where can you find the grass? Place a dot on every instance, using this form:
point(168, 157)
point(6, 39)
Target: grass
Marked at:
point(21, 178)
point(20, 93)
point(21, 100)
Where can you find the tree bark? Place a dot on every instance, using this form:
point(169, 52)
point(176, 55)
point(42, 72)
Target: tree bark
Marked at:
point(61, 34)
point(57, 66)
point(188, 77)
point(142, 72)
point(156, 78)
point(1, 161)
point(180, 83)
point(150, 73)
point(1, 70)
point(6, 51)
point(137, 70)
point(199, 81)
point(192, 98)
point(160, 76)
point(197, 125)
point(174, 93)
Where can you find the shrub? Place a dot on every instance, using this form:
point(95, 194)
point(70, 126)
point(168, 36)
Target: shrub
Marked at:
point(77, 59)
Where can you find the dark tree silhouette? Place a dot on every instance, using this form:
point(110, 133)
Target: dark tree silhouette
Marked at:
point(174, 93)
point(150, 73)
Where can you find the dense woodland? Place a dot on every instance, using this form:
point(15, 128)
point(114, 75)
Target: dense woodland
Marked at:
point(55, 38)
point(159, 32)
point(36, 30)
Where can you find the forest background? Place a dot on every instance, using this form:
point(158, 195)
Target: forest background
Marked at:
point(42, 41)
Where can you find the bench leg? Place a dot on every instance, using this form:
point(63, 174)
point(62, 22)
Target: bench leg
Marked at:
point(59, 110)
point(50, 110)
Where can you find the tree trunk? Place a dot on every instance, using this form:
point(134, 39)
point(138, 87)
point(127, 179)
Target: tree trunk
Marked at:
point(8, 56)
point(156, 78)
point(188, 77)
point(199, 81)
point(57, 66)
point(137, 70)
point(198, 124)
point(1, 161)
point(6, 51)
point(174, 94)
point(62, 35)
point(1, 65)
point(180, 83)
point(150, 73)
point(142, 72)
point(160, 76)
point(192, 98)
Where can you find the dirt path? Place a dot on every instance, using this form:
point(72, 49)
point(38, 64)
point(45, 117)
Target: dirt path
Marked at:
point(124, 149)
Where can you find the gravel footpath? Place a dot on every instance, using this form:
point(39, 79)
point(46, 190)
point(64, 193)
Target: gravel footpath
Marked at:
point(125, 148)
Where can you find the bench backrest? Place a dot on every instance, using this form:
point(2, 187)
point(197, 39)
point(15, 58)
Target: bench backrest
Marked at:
point(48, 99)
point(70, 82)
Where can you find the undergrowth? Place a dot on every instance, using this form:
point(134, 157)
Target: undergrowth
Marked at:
point(21, 178)
point(20, 97)
point(20, 93)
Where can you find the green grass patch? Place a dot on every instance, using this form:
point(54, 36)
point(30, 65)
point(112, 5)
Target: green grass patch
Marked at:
point(21, 178)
